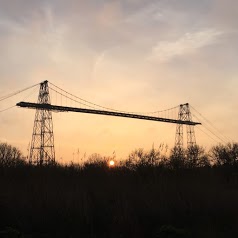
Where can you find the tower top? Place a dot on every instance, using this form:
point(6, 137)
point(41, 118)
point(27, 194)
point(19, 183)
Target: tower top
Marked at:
point(44, 82)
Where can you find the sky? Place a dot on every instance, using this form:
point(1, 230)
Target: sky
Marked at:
point(132, 55)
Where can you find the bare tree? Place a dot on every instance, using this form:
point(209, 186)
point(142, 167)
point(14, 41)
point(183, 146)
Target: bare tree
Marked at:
point(10, 155)
point(225, 154)
point(196, 157)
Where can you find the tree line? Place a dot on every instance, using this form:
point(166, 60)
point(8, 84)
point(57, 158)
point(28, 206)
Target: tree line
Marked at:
point(192, 157)
point(153, 193)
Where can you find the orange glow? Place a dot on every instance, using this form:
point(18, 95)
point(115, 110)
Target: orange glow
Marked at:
point(111, 163)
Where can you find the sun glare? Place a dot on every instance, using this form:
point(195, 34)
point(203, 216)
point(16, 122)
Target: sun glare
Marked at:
point(111, 163)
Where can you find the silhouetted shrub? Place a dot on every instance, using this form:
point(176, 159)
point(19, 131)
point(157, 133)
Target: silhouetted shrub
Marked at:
point(10, 155)
point(195, 157)
point(225, 154)
point(141, 158)
point(177, 158)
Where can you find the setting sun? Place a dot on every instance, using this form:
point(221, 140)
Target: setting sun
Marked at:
point(111, 163)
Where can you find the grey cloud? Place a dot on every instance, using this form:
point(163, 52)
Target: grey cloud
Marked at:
point(225, 14)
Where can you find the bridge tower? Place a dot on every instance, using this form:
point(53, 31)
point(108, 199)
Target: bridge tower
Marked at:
point(184, 115)
point(42, 150)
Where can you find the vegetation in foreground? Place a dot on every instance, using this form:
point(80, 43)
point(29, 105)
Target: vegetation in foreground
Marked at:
point(189, 193)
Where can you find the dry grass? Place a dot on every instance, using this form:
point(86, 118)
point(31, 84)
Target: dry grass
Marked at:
point(95, 201)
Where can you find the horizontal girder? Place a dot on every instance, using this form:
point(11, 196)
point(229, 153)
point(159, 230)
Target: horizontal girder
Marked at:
point(102, 112)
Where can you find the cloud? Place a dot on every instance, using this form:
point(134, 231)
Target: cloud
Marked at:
point(224, 14)
point(188, 43)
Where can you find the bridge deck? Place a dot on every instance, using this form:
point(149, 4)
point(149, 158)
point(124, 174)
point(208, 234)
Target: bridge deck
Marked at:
point(102, 112)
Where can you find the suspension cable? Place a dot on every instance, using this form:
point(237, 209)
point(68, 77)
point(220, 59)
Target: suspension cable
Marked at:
point(106, 108)
point(208, 122)
point(208, 135)
point(6, 109)
point(17, 92)
point(71, 98)
point(218, 137)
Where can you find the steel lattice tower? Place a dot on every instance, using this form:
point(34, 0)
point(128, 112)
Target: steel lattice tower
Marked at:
point(184, 115)
point(42, 150)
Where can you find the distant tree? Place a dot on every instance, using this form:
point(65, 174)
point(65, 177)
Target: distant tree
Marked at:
point(196, 157)
point(140, 158)
point(136, 158)
point(96, 160)
point(153, 156)
point(177, 158)
point(192, 157)
point(225, 154)
point(10, 155)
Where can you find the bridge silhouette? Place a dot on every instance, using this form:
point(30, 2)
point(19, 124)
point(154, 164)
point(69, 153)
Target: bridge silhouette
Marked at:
point(42, 144)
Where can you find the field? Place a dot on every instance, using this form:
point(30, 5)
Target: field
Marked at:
point(128, 200)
